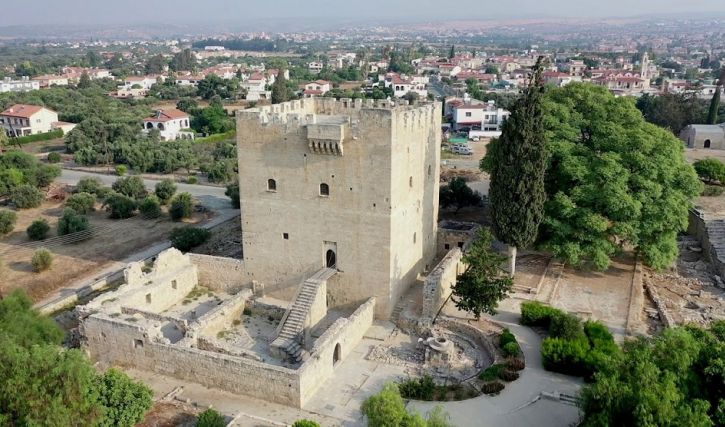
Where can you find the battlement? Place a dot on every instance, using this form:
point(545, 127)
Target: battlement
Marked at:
point(309, 111)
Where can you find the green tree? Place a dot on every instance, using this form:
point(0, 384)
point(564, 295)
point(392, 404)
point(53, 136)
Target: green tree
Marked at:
point(232, 192)
point(38, 230)
point(280, 90)
point(27, 196)
point(458, 194)
point(150, 207)
point(452, 53)
point(182, 206)
point(710, 170)
point(183, 61)
point(131, 186)
point(125, 401)
point(120, 206)
point(187, 238)
point(82, 203)
point(72, 222)
point(713, 112)
point(517, 164)
point(612, 180)
point(156, 64)
point(210, 418)
point(7, 221)
point(482, 284)
point(24, 325)
point(85, 81)
point(165, 190)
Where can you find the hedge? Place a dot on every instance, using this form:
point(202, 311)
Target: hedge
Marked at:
point(537, 314)
point(218, 137)
point(54, 134)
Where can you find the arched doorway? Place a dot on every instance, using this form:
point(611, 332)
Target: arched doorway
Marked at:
point(336, 356)
point(707, 143)
point(330, 259)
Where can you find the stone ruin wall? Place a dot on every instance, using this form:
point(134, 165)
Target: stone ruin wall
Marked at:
point(219, 273)
point(439, 284)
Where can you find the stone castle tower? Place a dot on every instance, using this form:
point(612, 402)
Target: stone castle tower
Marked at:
point(350, 185)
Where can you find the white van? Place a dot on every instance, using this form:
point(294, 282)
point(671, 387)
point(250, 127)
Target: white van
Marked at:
point(462, 149)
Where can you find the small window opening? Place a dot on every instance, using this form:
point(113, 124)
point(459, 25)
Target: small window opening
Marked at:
point(460, 244)
point(286, 236)
point(447, 246)
point(148, 298)
point(324, 189)
point(173, 284)
point(410, 182)
point(137, 344)
point(271, 185)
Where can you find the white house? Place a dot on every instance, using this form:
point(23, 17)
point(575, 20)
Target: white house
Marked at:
point(316, 88)
point(51, 80)
point(22, 85)
point(170, 124)
point(256, 86)
point(23, 120)
point(403, 85)
point(137, 86)
point(484, 117)
point(315, 67)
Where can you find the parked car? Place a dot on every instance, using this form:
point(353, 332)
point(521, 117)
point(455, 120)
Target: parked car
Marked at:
point(462, 149)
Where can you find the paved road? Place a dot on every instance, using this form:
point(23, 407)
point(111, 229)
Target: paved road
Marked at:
point(211, 197)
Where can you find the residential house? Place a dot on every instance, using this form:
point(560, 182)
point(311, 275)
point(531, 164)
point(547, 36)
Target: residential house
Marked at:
point(170, 124)
point(49, 80)
point(556, 78)
point(316, 88)
point(138, 86)
point(257, 87)
point(402, 84)
point(24, 120)
point(22, 85)
point(485, 117)
point(315, 67)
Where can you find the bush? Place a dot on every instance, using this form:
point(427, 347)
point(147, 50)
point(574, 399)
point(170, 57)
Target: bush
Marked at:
point(150, 207)
point(42, 260)
point(515, 363)
point(537, 314)
point(420, 389)
point(47, 136)
point(511, 349)
point(187, 238)
point(125, 400)
point(90, 185)
point(38, 230)
point(506, 337)
point(710, 170)
point(26, 196)
point(181, 207)
point(713, 191)
point(491, 373)
point(305, 423)
point(192, 180)
point(81, 202)
point(210, 418)
point(492, 387)
point(131, 186)
point(72, 222)
point(121, 170)
point(53, 157)
point(566, 326)
point(509, 375)
point(7, 221)
point(120, 206)
point(165, 190)
point(233, 193)
point(565, 356)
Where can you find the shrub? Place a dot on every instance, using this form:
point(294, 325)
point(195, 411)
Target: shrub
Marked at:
point(45, 175)
point(150, 207)
point(492, 372)
point(515, 363)
point(38, 230)
point(187, 238)
point(210, 418)
point(165, 190)
point(537, 314)
point(72, 222)
point(492, 387)
point(181, 207)
point(7, 221)
point(713, 191)
point(26, 196)
point(192, 180)
point(42, 260)
point(120, 206)
point(53, 157)
point(566, 326)
point(710, 170)
point(420, 389)
point(125, 400)
point(305, 423)
point(511, 349)
point(509, 375)
point(131, 186)
point(47, 136)
point(121, 170)
point(81, 202)
point(233, 193)
point(90, 185)
point(565, 356)
point(506, 337)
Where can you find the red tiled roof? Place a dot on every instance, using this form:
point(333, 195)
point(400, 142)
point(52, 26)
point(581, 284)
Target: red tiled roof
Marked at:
point(22, 110)
point(167, 115)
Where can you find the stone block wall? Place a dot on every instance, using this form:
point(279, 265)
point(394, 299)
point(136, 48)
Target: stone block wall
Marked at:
point(222, 315)
point(439, 284)
point(219, 273)
point(333, 347)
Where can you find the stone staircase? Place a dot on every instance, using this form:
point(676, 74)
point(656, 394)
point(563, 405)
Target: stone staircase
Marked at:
point(289, 332)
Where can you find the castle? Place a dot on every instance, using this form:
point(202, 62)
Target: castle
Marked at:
point(350, 185)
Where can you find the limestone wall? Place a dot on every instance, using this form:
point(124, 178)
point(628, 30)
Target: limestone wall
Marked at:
point(345, 333)
point(115, 342)
point(222, 315)
point(219, 273)
point(439, 283)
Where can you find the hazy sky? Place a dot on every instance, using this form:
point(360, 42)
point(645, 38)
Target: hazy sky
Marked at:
point(209, 11)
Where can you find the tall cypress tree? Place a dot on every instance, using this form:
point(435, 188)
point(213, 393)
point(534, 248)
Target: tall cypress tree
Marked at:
point(712, 114)
point(452, 53)
point(517, 164)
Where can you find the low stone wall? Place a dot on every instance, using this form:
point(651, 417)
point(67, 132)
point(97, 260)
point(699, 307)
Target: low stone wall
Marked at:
point(209, 344)
point(215, 319)
point(332, 347)
point(219, 273)
point(480, 338)
point(115, 342)
point(182, 323)
point(439, 283)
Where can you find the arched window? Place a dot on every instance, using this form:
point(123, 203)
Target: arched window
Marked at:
point(324, 189)
point(330, 259)
point(707, 143)
point(271, 185)
point(337, 354)
point(161, 126)
point(149, 125)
